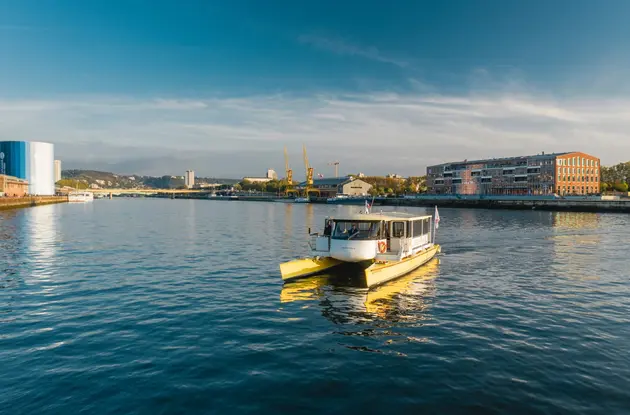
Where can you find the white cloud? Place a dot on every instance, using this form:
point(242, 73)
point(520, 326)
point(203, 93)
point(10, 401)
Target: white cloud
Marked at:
point(343, 47)
point(374, 133)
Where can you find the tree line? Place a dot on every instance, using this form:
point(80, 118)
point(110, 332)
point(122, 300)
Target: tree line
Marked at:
point(615, 177)
point(380, 185)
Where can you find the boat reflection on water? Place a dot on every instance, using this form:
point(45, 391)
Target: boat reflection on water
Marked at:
point(342, 302)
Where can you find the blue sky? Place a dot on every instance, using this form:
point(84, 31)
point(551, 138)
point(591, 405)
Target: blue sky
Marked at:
point(221, 87)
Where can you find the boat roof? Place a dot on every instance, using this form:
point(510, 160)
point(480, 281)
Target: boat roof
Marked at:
point(380, 216)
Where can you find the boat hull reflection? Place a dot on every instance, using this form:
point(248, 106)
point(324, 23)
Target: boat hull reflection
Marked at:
point(342, 301)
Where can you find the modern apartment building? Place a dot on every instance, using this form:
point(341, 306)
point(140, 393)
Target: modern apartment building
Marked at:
point(570, 173)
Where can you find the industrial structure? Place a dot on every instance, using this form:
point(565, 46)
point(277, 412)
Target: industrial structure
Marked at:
point(189, 179)
point(337, 186)
point(32, 162)
point(308, 187)
point(289, 186)
point(569, 173)
point(57, 170)
point(336, 164)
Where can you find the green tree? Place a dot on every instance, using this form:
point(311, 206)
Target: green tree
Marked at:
point(621, 187)
point(77, 184)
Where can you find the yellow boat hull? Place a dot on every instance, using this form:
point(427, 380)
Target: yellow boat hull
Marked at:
point(305, 267)
point(379, 273)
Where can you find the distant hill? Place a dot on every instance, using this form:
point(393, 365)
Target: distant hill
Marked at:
point(85, 178)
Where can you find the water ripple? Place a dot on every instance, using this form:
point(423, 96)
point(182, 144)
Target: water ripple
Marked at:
point(176, 306)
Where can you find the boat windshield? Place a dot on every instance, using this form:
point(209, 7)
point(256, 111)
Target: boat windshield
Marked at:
point(357, 230)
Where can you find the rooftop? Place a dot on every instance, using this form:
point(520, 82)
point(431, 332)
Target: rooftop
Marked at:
point(381, 216)
point(333, 181)
point(539, 156)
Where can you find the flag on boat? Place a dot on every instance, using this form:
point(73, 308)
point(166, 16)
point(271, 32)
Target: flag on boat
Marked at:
point(367, 207)
point(436, 218)
point(321, 176)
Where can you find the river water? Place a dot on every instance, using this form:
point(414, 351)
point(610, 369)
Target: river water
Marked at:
point(153, 306)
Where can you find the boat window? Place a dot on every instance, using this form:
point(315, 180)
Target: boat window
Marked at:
point(398, 230)
point(365, 230)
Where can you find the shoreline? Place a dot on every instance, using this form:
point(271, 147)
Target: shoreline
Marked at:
point(7, 203)
point(548, 204)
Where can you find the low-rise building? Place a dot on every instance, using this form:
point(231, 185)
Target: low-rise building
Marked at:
point(569, 173)
point(339, 185)
point(12, 186)
point(271, 175)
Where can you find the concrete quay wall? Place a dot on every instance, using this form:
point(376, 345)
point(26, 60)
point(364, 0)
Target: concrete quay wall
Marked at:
point(29, 201)
point(584, 205)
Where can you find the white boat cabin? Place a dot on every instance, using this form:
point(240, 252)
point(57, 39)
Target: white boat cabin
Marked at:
point(388, 236)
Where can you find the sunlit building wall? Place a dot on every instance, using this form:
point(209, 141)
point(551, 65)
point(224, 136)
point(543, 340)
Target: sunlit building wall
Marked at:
point(569, 173)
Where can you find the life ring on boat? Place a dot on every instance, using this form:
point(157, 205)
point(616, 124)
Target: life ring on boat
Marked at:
point(382, 247)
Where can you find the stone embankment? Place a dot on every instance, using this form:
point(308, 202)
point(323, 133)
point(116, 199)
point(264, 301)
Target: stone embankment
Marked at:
point(29, 201)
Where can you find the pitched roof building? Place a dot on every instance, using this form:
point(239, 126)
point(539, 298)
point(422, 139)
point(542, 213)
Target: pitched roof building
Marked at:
point(339, 185)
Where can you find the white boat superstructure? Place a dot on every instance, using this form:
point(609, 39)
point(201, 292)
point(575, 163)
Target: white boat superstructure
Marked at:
point(381, 237)
point(385, 245)
point(80, 197)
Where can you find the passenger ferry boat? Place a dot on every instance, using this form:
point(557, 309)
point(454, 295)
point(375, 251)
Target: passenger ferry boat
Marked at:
point(301, 200)
point(80, 197)
point(383, 246)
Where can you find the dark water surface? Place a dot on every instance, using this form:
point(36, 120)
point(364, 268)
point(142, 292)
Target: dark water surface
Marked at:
point(176, 306)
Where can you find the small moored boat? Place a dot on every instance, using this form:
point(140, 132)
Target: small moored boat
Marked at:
point(80, 197)
point(382, 246)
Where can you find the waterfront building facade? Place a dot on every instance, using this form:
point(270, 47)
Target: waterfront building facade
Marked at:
point(339, 185)
point(570, 173)
point(12, 186)
point(31, 161)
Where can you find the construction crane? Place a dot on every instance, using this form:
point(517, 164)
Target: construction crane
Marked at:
point(289, 189)
point(309, 176)
point(336, 164)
